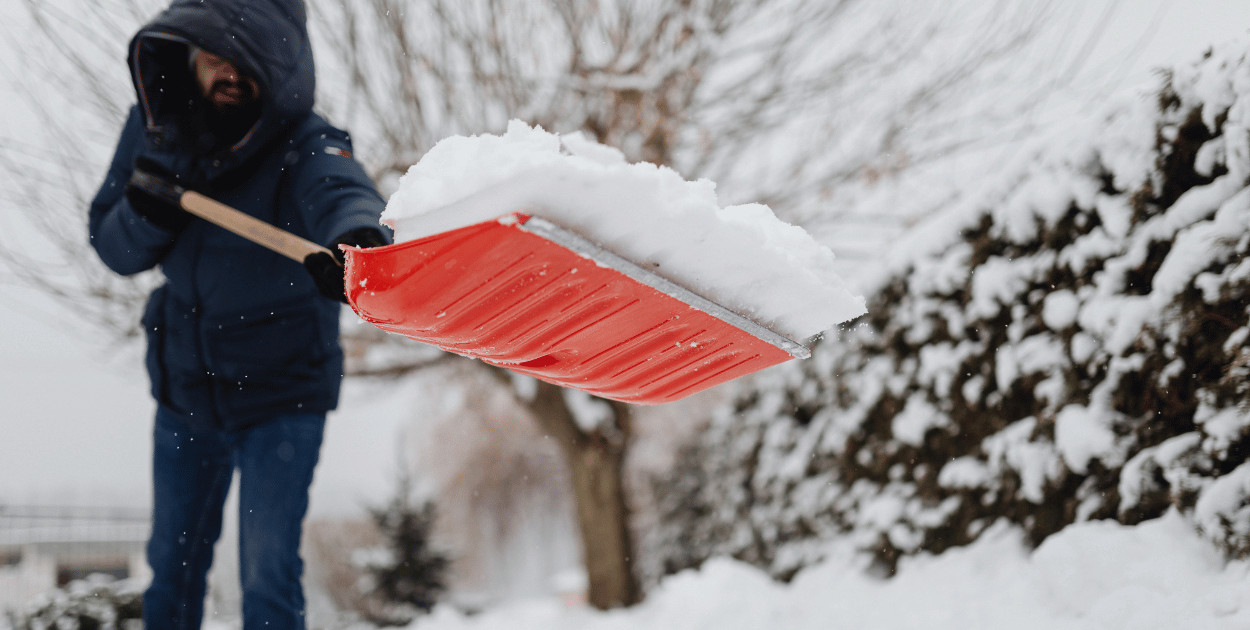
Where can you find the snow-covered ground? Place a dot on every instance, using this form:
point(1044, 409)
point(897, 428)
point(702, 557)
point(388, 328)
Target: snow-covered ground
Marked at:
point(1093, 576)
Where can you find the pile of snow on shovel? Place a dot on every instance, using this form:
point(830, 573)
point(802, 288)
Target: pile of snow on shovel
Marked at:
point(742, 257)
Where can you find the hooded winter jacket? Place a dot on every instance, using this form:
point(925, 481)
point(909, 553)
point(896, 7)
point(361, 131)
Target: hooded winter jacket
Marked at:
point(237, 333)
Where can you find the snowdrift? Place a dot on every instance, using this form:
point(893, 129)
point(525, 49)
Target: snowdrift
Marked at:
point(1092, 576)
point(1070, 346)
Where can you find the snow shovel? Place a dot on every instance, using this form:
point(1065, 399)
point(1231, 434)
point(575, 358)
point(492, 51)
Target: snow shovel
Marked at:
point(525, 294)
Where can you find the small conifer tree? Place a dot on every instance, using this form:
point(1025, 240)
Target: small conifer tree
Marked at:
point(408, 575)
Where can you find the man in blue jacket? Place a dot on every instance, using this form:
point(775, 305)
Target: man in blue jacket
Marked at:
point(243, 348)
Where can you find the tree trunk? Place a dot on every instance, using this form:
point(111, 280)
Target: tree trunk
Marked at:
point(596, 461)
point(603, 517)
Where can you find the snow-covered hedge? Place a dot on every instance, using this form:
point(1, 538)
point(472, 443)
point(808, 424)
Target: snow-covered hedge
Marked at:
point(1074, 347)
point(98, 602)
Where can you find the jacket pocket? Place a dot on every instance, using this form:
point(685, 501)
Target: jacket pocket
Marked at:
point(283, 345)
point(153, 322)
point(278, 346)
point(283, 361)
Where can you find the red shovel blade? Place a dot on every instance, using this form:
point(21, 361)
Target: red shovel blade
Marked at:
point(524, 294)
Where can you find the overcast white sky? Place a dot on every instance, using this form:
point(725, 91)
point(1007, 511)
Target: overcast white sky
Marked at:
point(74, 424)
point(1144, 34)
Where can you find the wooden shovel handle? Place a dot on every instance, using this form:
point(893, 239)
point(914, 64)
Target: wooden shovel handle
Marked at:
point(294, 247)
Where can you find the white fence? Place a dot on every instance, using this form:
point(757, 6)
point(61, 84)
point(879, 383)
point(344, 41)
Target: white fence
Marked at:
point(44, 547)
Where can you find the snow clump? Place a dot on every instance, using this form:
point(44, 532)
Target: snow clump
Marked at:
point(741, 256)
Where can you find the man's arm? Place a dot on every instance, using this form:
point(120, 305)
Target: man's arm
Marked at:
point(334, 194)
point(125, 241)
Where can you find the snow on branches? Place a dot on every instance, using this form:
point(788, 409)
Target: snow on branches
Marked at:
point(1072, 346)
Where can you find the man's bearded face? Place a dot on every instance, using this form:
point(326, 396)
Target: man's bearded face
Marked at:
point(222, 84)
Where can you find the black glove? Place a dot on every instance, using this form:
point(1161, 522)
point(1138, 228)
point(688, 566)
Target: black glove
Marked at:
point(153, 193)
point(327, 270)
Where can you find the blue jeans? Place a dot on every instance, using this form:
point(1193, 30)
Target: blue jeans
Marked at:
point(192, 470)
